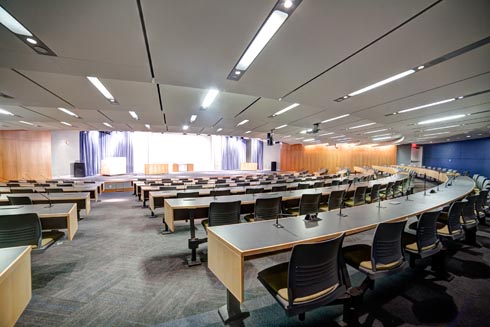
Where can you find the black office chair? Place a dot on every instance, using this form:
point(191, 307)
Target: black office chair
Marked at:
point(254, 190)
point(241, 184)
point(65, 185)
point(311, 279)
point(21, 190)
point(25, 229)
point(383, 258)
point(167, 188)
point(334, 201)
point(345, 181)
point(53, 190)
point(220, 192)
point(469, 219)
point(222, 213)
point(19, 200)
point(265, 183)
point(194, 187)
point(41, 185)
point(335, 182)
point(280, 188)
point(266, 208)
point(449, 225)
point(373, 196)
point(221, 185)
point(359, 197)
point(302, 186)
point(13, 185)
point(387, 191)
point(480, 205)
point(425, 242)
point(32, 181)
point(397, 189)
point(188, 194)
point(319, 184)
point(308, 204)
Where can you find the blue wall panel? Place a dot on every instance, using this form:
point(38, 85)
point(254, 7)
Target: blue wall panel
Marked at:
point(472, 155)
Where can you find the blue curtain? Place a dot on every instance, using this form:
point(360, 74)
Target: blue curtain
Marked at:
point(257, 152)
point(95, 146)
point(233, 153)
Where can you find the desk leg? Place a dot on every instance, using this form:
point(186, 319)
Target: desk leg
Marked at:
point(193, 260)
point(232, 311)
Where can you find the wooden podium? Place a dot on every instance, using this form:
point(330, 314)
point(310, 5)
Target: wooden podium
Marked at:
point(154, 169)
point(182, 167)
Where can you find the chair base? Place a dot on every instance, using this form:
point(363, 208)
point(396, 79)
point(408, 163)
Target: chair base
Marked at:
point(232, 311)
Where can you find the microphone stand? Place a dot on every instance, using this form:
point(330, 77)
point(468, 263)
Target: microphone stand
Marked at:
point(438, 180)
point(50, 204)
point(342, 202)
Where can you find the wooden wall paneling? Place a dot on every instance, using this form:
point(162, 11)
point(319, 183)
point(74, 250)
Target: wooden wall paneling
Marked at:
point(25, 155)
point(315, 157)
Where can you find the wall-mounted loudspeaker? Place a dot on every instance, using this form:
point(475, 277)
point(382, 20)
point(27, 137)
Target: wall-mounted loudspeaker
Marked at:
point(270, 140)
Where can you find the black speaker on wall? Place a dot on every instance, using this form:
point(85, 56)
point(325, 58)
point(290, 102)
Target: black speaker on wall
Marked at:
point(79, 169)
point(273, 166)
point(270, 140)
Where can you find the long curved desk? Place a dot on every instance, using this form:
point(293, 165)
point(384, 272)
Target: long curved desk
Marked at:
point(229, 246)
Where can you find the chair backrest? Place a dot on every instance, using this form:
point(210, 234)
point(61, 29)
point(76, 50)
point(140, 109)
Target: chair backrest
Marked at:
point(19, 200)
point(481, 201)
point(221, 185)
point(254, 190)
point(267, 208)
point(188, 194)
point(13, 185)
point(345, 181)
point(335, 182)
point(389, 188)
point(302, 186)
point(265, 183)
point(453, 216)
point(167, 188)
point(224, 213)
point(387, 244)
point(220, 192)
point(375, 192)
point(309, 203)
point(20, 229)
point(314, 268)
point(468, 212)
point(335, 199)
point(41, 185)
point(319, 184)
point(32, 181)
point(243, 184)
point(21, 190)
point(220, 181)
point(427, 229)
point(360, 195)
point(194, 187)
point(280, 188)
point(65, 184)
point(53, 190)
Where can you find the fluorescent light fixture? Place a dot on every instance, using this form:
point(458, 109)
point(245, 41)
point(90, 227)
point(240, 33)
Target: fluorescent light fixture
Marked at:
point(209, 98)
point(299, 138)
point(294, 105)
point(427, 105)
point(65, 123)
point(439, 133)
point(134, 115)
point(325, 134)
point(282, 126)
point(248, 132)
point(185, 127)
point(376, 131)
point(383, 82)
point(437, 120)
point(193, 118)
point(31, 40)
point(26, 122)
point(66, 111)
point(360, 126)
point(270, 27)
point(335, 118)
point(309, 130)
point(147, 126)
point(382, 138)
point(219, 129)
point(308, 140)
point(102, 89)
point(242, 122)
point(380, 135)
point(337, 137)
point(6, 112)
point(12, 24)
point(107, 124)
point(442, 127)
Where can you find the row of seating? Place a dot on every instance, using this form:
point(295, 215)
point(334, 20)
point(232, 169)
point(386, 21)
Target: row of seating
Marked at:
point(30, 190)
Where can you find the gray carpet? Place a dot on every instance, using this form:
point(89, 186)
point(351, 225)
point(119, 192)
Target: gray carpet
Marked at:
point(119, 271)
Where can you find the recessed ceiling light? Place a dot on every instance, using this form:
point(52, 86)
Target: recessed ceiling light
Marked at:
point(468, 135)
point(66, 111)
point(338, 136)
point(382, 138)
point(335, 118)
point(219, 129)
point(193, 118)
point(377, 131)
point(443, 127)
point(439, 133)
point(107, 124)
point(282, 126)
point(209, 98)
point(325, 134)
point(460, 97)
point(242, 122)
point(288, 4)
point(12, 24)
point(102, 89)
point(134, 115)
point(237, 72)
point(294, 105)
point(147, 126)
point(420, 67)
point(308, 140)
point(360, 126)
point(427, 105)
point(436, 120)
point(383, 82)
point(5, 112)
point(31, 40)
point(248, 132)
point(26, 122)
point(185, 127)
point(65, 123)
